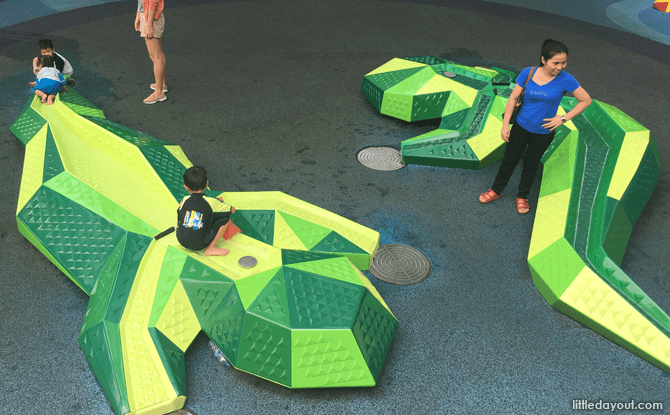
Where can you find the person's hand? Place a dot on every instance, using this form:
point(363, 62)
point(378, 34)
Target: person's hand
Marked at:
point(504, 133)
point(137, 23)
point(149, 30)
point(33, 83)
point(36, 70)
point(552, 123)
point(221, 199)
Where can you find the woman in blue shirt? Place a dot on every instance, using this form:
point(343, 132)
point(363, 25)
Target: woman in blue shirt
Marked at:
point(537, 120)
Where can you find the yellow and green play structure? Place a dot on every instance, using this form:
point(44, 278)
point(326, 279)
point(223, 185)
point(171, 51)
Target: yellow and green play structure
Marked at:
point(598, 176)
point(93, 196)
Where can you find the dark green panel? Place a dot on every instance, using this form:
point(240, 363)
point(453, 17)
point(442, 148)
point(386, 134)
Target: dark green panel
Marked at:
point(604, 125)
point(317, 302)
point(561, 133)
point(373, 93)
point(224, 327)
point(386, 80)
point(132, 136)
point(336, 243)
point(95, 343)
point(617, 231)
point(575, 193)
point(173, 360)
point(135, 247)
point(642, 185)
point(205, 296)
point(429, 106)
point(27, 124)
point(197, 271)
point(272, 303)
point(80, 240)
point(428, 60)
point(73, 97)
point(289, 256)
point(265, 350)
point(169, 169)
point(455, 120)
point(53, 165)
point(374, 329)
point(257, 224)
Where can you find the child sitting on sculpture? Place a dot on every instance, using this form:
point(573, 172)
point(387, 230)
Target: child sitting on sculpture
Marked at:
point(49, 81)
point(47, 49)
point(202, 220)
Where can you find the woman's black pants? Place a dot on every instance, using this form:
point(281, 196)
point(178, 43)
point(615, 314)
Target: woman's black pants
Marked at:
point(534, 145)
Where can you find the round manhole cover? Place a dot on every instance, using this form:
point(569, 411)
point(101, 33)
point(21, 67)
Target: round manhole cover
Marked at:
point(400, 265)
point(380, 158)
point(72, 83)
point(449, 74)
point(247, 262)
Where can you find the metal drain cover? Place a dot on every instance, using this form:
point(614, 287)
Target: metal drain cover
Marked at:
point(247, 262)
point(380, 158)
point(400, 265)
point(449, 74)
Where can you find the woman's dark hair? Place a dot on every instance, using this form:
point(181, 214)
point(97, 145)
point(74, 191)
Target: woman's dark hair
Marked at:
point(195, 178)
point(45, 44)
point(551, 48)
point(46, 61)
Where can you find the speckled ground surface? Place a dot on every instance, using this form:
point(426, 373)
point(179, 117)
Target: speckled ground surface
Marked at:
point(266, 95)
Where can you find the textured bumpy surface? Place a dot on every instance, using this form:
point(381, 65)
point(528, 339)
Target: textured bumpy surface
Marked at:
point(304, 316)
point(598, 175)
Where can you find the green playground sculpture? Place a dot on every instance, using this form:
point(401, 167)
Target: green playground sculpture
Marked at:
point(303, 317)
point(598, 176)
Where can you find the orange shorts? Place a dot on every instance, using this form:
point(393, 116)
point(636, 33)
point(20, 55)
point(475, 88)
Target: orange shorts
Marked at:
point(159, 26)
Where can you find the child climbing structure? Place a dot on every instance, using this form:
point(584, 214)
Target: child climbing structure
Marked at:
point(303, 316)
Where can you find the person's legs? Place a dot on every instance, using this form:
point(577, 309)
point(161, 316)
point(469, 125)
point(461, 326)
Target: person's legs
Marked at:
point(158, 58)
point(531, 161)
point(42, 95)
point(50, 99)
point(518, 141)
point(212, 250)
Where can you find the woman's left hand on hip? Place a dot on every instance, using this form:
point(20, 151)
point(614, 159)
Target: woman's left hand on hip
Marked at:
point(552, 123)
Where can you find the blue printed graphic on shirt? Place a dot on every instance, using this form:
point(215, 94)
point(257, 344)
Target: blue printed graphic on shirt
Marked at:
point(541, 101)
point(193, 220)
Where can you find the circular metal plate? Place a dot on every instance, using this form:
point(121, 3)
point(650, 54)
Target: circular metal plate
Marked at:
point(247, 262)
point(449, 74)
point(380, 158)
point(72, 83)
point(400, 265)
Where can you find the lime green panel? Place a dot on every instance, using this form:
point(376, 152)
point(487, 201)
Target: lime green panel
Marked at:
point(431, 134)
point(33, 167)
point(284, 237)
point(338, 268)
point(327, 358)
point(265, 350)
point(84, 195)
point(455, 104)
point(396, 64)
point(624, 121)
point(549, 225)
point(178, 322)
point(272, 302)
point(554, 269)
point(251, 286)
point(488, 141)
point(498, 107)
point(132, 136)
point(384, 81)
point(435, 84)
point(168, 168)
point(558, 171)
point(632, 150)
point(412, 84)
point(178, 153)
point(397, 105)
point(308, 232)
point(173, 264)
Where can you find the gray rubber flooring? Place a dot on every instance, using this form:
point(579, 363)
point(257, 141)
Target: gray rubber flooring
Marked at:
point(266, 95)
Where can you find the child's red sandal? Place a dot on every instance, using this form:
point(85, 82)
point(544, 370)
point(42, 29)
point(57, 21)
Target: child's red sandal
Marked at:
point(488, 196)
point(522, 206)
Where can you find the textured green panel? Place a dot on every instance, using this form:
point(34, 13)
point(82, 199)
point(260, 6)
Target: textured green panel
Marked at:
point(317, 302)
point(373, 93)
point(272, 302)
point(397, 105)
point(457, 154)
point(327, 358)
point(224, 327)
point(105, 362)
point(618, 229)
point(197, 271)
point(251, 286)
point(257, 224)
point(558, 170)
point(53, 165)
point(624, 121)
point(84, 110)
point(33, 240)
point(464, 75)
point(336, 243)
point(79, 240)
point(132, 136)
point(265, 350)
point(374, 329)
point(89, 198)
point(386, 80)
point(290, 256)
point(27, 124)
point(100, 297)
point(173, 360)
point(339, 268)
point(410, 85)
point(133, 251)
point(578, 172)
point(171, 268)
point(308, 232)
point(73, 97)
point(428, 60)
point(205, 296)
point(562, 133)
point(168, 168)
point(429, 106)
point(642, 185)
point(554, 269)
point(455, 120)
point(604, 125)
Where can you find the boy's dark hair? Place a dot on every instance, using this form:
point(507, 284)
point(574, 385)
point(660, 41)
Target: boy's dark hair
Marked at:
point(195, 178)
point(45, 44)
point(47, 61)
point(551, 48)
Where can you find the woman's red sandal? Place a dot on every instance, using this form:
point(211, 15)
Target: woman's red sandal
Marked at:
point(522, 206)
point(488, 196)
